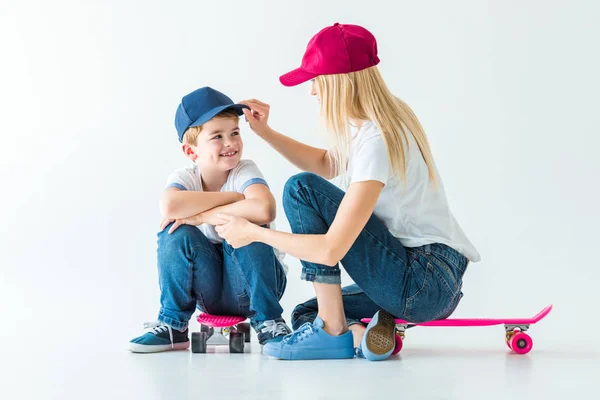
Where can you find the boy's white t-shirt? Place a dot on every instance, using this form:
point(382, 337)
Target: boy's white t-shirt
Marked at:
point(417, 214)
point(244, 174)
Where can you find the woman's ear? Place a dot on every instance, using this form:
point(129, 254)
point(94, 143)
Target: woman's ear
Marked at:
point(313, 88)
point(189, 152)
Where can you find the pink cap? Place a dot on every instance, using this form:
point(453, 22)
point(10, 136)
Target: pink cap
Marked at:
point(337, 49)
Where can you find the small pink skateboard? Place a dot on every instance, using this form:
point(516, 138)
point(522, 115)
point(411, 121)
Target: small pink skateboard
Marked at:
point(221, 330)
point(516, 338)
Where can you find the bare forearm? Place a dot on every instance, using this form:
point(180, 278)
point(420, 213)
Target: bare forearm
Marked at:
point(311, 248)
point(183, 204)
point(254, 210)
point(303, 156)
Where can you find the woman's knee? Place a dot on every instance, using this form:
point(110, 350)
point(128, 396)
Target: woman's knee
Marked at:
point(297, 181)
point(292, 193)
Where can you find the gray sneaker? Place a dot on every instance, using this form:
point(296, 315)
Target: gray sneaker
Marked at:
point(272, 331)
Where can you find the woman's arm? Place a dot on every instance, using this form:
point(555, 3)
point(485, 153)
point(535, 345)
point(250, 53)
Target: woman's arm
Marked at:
point(329, 248)
point(305, 157)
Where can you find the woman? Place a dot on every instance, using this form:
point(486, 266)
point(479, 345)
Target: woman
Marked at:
point(392, 228)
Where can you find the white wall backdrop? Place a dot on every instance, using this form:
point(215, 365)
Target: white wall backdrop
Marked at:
point(507, 92)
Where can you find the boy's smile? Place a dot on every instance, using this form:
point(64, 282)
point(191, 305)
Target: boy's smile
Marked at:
point(219, 145)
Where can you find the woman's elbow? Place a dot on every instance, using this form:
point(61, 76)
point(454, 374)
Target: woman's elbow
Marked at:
point(334, 248)
point(331, 257)
point(330, 262)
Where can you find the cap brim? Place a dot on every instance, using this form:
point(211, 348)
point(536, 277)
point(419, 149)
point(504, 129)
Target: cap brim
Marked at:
point(207, 116)
point(296, 77)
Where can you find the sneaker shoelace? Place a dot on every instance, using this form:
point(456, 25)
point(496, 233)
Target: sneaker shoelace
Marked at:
point(157, 327)
point(303, 332)
point(275, 328)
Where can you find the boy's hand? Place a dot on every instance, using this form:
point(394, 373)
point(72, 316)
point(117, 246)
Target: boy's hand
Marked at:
point(258, 116)
point(165, 222)
point(194, 220)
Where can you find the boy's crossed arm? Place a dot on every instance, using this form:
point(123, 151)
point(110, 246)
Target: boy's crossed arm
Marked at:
point(177, 204)
point(257, 205)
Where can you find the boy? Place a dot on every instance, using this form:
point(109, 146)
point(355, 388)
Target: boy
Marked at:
point(196, 267)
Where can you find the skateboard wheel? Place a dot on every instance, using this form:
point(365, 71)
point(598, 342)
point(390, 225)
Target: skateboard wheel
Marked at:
point(199, 342)
point(398, 346)
point(245, 328)
point(236, 342)
point(521, 343)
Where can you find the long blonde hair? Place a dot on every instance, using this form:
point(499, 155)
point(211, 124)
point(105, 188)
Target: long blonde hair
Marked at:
point(364, 96)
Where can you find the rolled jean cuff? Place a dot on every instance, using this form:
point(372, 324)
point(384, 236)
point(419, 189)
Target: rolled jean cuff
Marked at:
point(322, 275)
point(180, 326)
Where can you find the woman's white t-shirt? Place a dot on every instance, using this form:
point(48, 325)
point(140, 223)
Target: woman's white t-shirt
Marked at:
point(417, 214)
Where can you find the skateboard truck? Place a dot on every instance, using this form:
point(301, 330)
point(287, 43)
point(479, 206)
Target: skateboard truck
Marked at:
point(221, 330)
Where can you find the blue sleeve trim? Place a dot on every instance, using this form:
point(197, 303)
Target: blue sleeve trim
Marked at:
point(175, 185)
point(253, 181)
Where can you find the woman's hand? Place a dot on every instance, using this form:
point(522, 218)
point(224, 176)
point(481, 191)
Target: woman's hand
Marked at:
point(237, 231)
point(258, 116)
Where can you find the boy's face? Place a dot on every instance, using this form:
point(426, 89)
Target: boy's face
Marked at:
point(218, 147)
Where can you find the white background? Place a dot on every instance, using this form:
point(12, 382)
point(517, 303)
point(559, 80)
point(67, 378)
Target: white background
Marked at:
point(506, 91)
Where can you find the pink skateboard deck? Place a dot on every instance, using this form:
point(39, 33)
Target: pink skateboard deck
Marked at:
point(219, 321)
point(516, 338)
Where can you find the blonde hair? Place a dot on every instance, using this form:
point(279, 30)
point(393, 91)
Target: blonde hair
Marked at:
point(191, 134)
point(364, 96)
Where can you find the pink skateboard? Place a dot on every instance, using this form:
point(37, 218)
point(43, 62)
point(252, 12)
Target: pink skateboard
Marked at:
point(221, 330)
point(516, 338)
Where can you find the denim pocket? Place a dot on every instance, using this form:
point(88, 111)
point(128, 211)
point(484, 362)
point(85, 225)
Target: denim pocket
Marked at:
point(431, 301)
point(450, 265)
point(451, 307)
point(450, 257)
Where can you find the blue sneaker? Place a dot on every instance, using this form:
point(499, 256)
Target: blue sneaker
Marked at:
point(311, 342)
point(378, 341)
point(272, 331)
point(161, 337)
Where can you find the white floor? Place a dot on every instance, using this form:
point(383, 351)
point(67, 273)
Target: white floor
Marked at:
point(436, 363)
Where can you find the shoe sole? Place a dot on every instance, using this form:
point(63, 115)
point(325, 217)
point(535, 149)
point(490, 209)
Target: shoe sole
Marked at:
point(145, 348)
point(380, 338)
point(325, 354)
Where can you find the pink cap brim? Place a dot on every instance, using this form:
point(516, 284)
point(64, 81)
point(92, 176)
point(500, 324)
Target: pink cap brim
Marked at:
point(296, 77)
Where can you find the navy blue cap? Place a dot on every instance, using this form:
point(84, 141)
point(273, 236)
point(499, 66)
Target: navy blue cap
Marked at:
point(201, 106)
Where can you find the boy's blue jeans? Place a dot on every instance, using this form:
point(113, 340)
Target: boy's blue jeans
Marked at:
point(216, 278)
point(416, 284)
